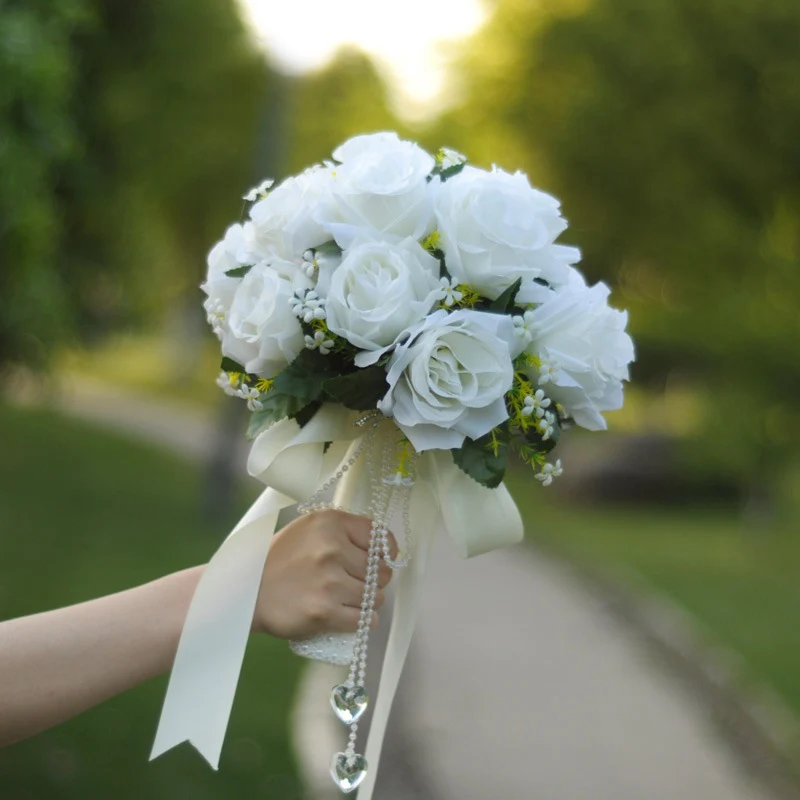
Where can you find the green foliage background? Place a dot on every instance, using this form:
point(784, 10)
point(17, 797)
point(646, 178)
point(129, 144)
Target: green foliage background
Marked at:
point(127, 134)
point(669, 130)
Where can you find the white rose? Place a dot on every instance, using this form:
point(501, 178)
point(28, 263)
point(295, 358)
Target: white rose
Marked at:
point(449, 379)
point(262, 333)
point(496, 228)
point(228, 254)
point(292, 272)
point(284, 222)
point(585, 350)
point(380, 189)
point(378, 291)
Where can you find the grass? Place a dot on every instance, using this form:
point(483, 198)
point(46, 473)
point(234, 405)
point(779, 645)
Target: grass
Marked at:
point(85, 513)
point(741, 585)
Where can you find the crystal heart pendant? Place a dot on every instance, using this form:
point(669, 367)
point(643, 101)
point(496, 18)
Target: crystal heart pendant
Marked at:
point(348, 702)
point(348, 771)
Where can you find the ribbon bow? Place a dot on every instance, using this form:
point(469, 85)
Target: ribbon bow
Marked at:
point(294, 463)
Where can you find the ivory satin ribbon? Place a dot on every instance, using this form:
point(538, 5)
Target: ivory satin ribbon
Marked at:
point(294, 463)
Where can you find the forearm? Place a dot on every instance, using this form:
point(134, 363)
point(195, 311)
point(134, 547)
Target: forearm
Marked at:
point(59, 663)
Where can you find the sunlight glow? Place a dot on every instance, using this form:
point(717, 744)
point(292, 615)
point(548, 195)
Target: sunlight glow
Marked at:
point(406, 38)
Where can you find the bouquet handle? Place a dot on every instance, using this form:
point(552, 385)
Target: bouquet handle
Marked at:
point(352, 494)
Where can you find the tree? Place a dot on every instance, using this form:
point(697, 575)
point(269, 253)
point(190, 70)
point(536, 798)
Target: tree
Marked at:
point(38, 137)
point(169, 101)
point(669, 130)
point(132, 132)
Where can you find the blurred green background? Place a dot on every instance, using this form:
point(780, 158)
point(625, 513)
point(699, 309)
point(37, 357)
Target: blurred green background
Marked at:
point(128, 132)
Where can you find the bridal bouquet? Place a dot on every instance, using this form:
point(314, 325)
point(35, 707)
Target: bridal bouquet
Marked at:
point(416, 315)
point(430, 290)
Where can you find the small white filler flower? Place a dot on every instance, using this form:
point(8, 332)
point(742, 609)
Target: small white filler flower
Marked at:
point(535, 404)
point(548, 371)
point(546, 425)
point(449, 293)
point(307, 305)
point(253, 398)
point(523, 323)
point(310, 264)
point(258, 192)
point(549, 471)
point(229, 384)
point(319, 340)
point(448, 158)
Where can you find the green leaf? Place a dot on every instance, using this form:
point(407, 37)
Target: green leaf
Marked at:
point(451, 172)
point(260, 421)
point(303, 378)
point(544, 445)
point(305, 414)
point(359, 390)
point(477, 458)
point(238, 272)
point(329, 249)
point(276, 406)
point(229, 365)
point(439, 256)
point(505, 303)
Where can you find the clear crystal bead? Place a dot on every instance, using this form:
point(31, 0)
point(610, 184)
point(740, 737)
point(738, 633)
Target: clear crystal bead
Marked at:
point(348, 771)
point(349, 703)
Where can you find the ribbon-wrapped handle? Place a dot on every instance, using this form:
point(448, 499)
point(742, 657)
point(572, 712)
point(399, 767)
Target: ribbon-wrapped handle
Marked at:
point(294, 463)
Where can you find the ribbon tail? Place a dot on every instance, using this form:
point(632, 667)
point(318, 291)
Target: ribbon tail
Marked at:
point(212, 644)
point(425, 520)
point(478, 519)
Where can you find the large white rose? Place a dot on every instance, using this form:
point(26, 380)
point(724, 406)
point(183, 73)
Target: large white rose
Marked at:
point(449, 379)
point(496, 228)
point(262, 333)
point(584, 348)
point(284, 222)
point(380, 189)
point(378, 291)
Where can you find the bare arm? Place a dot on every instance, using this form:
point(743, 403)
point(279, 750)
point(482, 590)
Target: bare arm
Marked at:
point(56, 664)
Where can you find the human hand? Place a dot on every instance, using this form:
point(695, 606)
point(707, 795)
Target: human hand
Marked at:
point(314, 577)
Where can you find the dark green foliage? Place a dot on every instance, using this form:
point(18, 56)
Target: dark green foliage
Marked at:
point(299, 390)
point(484, 459)
point(450, 172)
point(359, 390)
point(275, 406)
point(229, 365)
point(239, 272)
point(305, 415)
point(533, 437)
point(505, 303)
point(305, 376)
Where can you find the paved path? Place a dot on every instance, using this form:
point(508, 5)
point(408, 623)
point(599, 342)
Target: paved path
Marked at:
point(525, 688)
point(518, 687)
point(189, 432)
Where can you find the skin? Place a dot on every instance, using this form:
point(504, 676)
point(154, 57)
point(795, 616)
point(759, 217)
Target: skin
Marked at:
point(56, 664)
